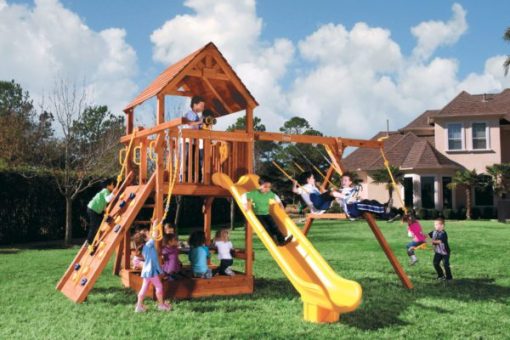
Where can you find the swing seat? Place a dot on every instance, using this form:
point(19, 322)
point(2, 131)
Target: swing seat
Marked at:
point(422, 246)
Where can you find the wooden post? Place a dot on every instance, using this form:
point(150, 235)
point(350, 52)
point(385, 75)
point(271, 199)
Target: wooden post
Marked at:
point(250, 148)
point(129, 122)
point(207, 209)
point(126, 261)
point(387, 250)
point(206, 162)
point(142, 177)
point(326, 181)
point(308, 225)
point(118, 258)
point(160, 109)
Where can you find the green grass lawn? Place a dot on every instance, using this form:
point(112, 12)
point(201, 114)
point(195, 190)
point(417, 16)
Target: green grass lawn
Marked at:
point(475, 305)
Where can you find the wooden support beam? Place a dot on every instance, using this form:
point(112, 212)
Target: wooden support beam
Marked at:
point(126, 261)
point(329, 174)
point(129, 122)
point(142, 171)
point(160, 108)
point(248, 264)
point(207, 210)
point(225, 105)
point(118, 258)
point(360, 143)
point(326, 216)
point(387, 250)
point(289, 138)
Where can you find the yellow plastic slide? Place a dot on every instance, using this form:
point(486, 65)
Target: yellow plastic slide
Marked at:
point(325, 294)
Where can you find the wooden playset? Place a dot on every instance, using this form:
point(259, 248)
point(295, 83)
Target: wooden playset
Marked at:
point(164, 160)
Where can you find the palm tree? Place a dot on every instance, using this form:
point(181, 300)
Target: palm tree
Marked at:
point(500, 178)
point(381, 176)
point(469, 180)
point(506, 37)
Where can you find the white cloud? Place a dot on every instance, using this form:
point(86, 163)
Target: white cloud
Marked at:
point(234, 27)
point(47, 41)
point(433, 34)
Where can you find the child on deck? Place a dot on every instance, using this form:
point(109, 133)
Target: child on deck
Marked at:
point(96, 208)
point(260, 199)
point(441, 250)
point(150, 272)
point(413, 230)
point(170, 254)
point(225, 249)
point(199, 255)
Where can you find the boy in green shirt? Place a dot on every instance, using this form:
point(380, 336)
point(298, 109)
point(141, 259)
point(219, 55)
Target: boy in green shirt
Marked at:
point(260, 204)
point(96, 207)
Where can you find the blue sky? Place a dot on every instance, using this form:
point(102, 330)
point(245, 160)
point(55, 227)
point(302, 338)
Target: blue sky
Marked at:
point(290, 33)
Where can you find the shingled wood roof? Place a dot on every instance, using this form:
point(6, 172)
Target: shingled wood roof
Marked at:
point(403, 150)
point(206, 73)
point(466, 104)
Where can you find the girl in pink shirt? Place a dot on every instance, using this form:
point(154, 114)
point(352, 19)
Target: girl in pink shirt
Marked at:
point(414, 231)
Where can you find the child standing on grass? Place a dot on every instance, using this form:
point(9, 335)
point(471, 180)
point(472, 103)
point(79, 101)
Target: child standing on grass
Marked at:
point(150, 272)
point(260, 199)
point(96, 208)
point(413, 230)
point(170, 253)
point(199, 255)
point(441, 250)
point(225, 250)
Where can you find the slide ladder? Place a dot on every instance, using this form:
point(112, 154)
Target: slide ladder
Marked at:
point(85, 269)
point(325, 294)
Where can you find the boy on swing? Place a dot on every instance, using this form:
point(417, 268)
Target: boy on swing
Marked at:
point(318, 201)
point(260, 199)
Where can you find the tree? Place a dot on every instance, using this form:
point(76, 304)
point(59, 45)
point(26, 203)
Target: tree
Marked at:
point(21, 128)
point(506, 63)
point(468, 180)
point(87, 146)
point(381, 176)
point(500, 178)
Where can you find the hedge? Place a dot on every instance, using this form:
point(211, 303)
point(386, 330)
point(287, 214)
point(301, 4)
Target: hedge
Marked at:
point(32, 209)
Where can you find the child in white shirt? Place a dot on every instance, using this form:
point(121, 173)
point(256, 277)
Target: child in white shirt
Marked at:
point(225, 249)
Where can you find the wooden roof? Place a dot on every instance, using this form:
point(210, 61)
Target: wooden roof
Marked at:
point(205, 73)
point(403, 150)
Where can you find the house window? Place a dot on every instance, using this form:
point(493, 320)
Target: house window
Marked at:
point(484, 195)
point(479, 136)
point(447, 193)
point(455, 136)
point(427, 192)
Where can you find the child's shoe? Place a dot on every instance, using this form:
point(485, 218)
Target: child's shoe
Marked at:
point(441, 278)
point(164, 307)
point(287, 240)
point(413, 262)
point(140, 309)
point(229, 272)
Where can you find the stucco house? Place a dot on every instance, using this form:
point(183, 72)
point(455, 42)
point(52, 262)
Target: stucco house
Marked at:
point(470, 132)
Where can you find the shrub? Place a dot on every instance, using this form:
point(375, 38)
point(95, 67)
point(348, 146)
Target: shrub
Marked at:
point(432, 214)
point(488, 213)
point(421, 214)
point(475, 213)
point(448, 214)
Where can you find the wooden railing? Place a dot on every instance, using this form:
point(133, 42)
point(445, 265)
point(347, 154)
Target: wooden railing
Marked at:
point(198, 152)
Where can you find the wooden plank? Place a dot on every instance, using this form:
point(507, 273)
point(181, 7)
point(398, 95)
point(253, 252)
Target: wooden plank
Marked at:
point(326, 181)
point(160, 108)
point(248, 264)
point(196, 161)
point(361, 143)
point(387, 250)
point(189, 177)
point(190, 189)
point(288, 138)
point(160, 185)
point(216, 135)
point(129, 122)
point(207, 162)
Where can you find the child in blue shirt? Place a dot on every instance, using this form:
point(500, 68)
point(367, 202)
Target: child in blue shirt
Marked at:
point(198, 255)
